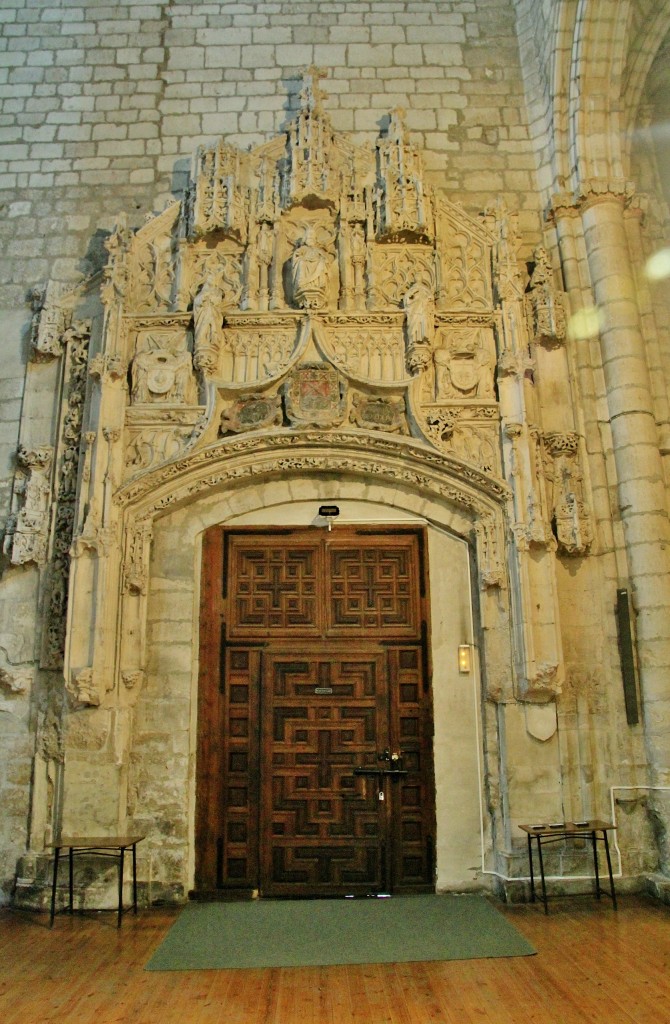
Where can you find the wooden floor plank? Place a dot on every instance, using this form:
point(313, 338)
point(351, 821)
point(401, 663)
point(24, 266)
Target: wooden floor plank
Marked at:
point(594, 966)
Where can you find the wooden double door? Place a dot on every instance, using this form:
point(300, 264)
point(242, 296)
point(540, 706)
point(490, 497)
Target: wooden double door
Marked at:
point(315, 733)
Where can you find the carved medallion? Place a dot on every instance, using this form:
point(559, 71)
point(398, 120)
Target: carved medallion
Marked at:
point(251, 412)
point(464, 363)
point(162, 370)
point(378, 413)
point(315, 396)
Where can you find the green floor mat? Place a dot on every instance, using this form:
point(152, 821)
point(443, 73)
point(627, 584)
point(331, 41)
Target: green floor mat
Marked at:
point(297, 933)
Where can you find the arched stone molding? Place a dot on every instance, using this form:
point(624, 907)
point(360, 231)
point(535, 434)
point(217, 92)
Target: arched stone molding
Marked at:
point(565, 20)
point(598, 58)
point(473, 506)
point(304, 470)
point(650, 32)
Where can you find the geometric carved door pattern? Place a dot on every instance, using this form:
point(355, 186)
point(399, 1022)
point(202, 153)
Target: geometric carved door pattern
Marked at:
point(315, 773)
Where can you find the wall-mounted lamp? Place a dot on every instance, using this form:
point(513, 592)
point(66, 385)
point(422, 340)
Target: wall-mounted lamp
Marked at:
point(329, 512)
point(464, 659)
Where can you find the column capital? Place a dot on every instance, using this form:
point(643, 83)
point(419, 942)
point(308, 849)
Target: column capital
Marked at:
point(591, 191)
point(562, 204)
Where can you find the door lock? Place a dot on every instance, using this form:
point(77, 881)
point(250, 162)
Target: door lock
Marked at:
point(392, 765)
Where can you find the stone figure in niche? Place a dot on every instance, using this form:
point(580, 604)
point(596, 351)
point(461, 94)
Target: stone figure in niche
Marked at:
point(208, 320)
point(309, 268)
point(31, 524)
point(545, 303)
point(162, 372)
point(419, 306)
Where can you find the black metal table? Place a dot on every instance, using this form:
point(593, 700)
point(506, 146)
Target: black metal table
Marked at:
point(97, 846)
point(595, 830)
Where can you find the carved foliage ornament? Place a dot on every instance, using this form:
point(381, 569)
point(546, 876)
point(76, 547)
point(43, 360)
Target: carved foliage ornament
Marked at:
point(77, 340)
point(456, 431)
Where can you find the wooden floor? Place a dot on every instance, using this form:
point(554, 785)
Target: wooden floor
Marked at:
point(593, 965)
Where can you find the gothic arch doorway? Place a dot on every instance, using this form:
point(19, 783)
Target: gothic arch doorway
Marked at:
point(315, 721)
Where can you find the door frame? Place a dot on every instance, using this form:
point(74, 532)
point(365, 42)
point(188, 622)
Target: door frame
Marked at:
point(213, 653)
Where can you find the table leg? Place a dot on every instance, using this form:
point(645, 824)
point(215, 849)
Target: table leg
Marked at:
point(135, 878)
point(544, 887)
point(609, 868)
point(53, 885)
point(530, 865)
point(595, 863)
point(118, 922)
point(71, 879)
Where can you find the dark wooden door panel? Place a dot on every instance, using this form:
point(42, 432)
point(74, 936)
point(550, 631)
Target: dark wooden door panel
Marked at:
point(314, 662)
point(321, 828)
point(274, 586)
point(411, 727)
point(373, 590)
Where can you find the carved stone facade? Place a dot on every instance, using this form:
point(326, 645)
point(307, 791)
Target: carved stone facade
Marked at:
point(314, 320)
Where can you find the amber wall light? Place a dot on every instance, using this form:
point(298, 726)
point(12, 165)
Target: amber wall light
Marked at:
point(464, 659)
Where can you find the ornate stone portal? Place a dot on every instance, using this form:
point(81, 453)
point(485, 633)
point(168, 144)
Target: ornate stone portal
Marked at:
point(310, 307)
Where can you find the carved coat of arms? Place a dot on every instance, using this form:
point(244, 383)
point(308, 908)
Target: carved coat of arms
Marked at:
point(315, 396)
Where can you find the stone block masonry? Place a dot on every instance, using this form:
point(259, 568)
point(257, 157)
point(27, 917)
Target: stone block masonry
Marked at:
point(101, 105)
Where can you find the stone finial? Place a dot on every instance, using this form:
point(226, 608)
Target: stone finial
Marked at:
point(311, 94)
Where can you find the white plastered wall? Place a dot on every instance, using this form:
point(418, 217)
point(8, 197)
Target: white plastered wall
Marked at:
point(165, 785)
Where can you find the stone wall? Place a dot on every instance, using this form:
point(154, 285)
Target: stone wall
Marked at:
point(101, 108)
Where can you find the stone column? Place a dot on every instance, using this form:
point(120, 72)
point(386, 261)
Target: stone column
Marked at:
point(640, 483)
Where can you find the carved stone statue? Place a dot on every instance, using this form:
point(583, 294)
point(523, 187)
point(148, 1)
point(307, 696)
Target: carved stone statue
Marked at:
point(309, 269)
point(208, 320)
point(545, 304)
point(31, 524)
point(419, 306)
